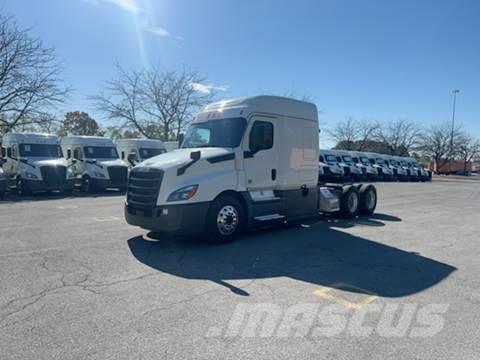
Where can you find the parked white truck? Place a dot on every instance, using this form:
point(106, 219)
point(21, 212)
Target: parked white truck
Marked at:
point(134, 151)
point(244, 163)
point(95, 163)
point(34, 162)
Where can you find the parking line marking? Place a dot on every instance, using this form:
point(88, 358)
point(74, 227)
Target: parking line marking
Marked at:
point(107, 218)
point(325, 293)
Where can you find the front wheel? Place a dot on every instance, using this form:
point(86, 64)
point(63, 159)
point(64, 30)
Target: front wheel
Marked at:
point(224, 220)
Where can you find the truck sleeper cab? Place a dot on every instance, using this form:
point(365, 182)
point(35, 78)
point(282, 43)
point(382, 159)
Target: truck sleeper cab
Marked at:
point(243, 163)
point(34, 162)
point(134, 151)
point(95, 163)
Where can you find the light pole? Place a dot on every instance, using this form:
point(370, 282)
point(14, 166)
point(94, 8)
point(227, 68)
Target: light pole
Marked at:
point(454, 92)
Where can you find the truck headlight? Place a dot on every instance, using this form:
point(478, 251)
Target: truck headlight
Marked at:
point(70, 173)
point(30, 175)
point(98, 174)
point(184, 193)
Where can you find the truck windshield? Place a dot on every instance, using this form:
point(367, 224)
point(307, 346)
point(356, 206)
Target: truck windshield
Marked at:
point(364, 160)
point(100, 152)
point(347, 160)
point(215, 133)
point(331, 158)
point(41, 150)
point(147, 153)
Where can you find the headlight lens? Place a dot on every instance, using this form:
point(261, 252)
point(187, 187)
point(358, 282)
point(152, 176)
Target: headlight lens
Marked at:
point(184, 193)
point(98, 174)
point(30, 175)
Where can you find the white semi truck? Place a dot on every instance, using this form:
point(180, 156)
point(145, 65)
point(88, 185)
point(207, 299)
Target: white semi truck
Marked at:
point(95, 163)
point(134, 151)
point(243, 163)
point(34, 162)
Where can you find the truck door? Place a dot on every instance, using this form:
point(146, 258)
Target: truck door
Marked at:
point(260, 155)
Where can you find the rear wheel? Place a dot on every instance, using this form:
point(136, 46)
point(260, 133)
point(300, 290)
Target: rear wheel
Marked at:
point(368, 199)
point(349, 202)
point(224, 220)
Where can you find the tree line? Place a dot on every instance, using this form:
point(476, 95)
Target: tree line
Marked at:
point(438, 143)
point(159, 104)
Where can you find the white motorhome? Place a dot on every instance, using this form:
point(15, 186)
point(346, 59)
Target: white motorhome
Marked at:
point(95, 162)
point(362, 161)
point(244, 163)
point(134, 151)
point(34, 162)
point(345, 160)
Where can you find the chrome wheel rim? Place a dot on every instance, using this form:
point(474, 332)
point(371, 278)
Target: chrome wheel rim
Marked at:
point(353, 202)
point(227, 220)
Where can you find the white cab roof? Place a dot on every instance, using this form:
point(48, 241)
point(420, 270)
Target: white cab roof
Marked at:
point(31, 138)
point(267, 104)
point(87, 141)
point(147, 143)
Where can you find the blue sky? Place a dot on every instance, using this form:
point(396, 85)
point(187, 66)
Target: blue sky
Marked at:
point(378, 60)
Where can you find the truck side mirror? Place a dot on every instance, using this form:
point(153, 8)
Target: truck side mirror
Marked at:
point(69, 154)
point(131, 158)
point(180, 140)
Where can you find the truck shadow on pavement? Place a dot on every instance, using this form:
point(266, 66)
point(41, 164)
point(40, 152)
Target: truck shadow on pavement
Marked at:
point(319, 253)
point(44, 196)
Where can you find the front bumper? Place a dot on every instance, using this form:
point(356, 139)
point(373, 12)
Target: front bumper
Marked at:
point(187, 219)
point(106, 183)
point(39, 185)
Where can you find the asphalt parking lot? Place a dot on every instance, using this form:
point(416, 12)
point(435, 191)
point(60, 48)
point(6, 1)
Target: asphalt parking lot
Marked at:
point(76, 282)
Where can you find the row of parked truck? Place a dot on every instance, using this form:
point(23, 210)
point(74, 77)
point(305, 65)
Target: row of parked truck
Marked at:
point(342, 165)
point(44, 162)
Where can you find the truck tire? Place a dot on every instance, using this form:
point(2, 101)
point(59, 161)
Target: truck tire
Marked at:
point(22, 188)
point(368, 199)
point(225, 220)
point(349, 202)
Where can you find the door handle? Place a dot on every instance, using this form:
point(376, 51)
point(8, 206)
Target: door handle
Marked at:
point(274, 174)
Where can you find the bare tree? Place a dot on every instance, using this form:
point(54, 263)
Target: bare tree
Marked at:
point(29, 78)
point(435, 144)
point(154, 103)
point(400, 136)
point(351, 134)
point(468, 149)
point(122, 100)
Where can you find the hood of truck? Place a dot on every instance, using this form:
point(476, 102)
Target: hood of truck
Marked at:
point(110, 162)
point(39, 162)
point(176, 158)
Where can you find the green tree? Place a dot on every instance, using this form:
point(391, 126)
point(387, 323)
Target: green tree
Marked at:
point(79, 123)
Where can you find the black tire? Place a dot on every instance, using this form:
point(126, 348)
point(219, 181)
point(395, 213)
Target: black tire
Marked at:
point(349, 202)
point(87, 185)
point(22, 187)
point(368, 199)
point(230, 211)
